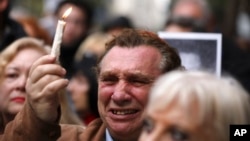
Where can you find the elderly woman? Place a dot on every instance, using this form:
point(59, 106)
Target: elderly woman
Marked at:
point(15, 63)
point(194, 106)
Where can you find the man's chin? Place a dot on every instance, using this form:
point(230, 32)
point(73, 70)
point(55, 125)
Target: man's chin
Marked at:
point(123, 128)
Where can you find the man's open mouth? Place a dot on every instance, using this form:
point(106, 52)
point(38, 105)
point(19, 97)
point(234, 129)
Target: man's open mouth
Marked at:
point(123, 112)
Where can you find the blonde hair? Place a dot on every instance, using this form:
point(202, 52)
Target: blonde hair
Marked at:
point(220, 100)
point(94, 43)
point(9, 53)
point(68, 116)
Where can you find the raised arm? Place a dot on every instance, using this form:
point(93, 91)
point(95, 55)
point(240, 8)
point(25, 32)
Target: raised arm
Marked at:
point(39, 118)
point(45, 80)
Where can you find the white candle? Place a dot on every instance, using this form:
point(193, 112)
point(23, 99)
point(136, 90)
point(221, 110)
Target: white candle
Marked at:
point(55, 51)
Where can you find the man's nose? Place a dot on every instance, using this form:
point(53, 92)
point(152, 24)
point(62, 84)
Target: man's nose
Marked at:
point(121, 94)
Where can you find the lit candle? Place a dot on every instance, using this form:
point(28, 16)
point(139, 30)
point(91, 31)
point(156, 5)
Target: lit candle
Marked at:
point(55, 51)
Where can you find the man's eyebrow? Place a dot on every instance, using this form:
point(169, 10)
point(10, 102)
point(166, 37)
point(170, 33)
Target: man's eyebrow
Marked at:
point(130, 75)
point(107, 74)
point(141, 76)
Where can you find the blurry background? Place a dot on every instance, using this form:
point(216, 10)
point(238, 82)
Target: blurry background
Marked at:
point(150, 14)
point(229, 17)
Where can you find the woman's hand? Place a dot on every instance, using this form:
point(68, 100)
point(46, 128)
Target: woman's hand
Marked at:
point(46, 79)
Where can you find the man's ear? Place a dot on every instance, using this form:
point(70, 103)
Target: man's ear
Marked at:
point(3, 5)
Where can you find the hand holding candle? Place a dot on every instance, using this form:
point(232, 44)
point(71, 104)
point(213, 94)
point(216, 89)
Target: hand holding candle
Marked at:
point(55, 51)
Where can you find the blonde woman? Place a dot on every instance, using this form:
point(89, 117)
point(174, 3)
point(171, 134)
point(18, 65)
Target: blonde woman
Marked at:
point(194, 106)
point(15, 62)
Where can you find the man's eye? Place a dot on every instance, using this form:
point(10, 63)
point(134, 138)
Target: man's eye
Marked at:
point(147, 125)
point(178, 135)
point(109, 80)
point(138, 82)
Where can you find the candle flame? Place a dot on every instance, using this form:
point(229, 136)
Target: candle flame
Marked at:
point(66, 13)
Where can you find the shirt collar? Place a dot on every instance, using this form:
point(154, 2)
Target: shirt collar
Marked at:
point(108, 137)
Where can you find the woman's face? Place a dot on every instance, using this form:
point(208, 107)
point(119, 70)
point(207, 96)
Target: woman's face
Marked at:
point(12, 85)
point(175, 123)
point(78, 88)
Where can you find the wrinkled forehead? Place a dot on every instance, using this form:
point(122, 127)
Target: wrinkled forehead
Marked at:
point(138, 58)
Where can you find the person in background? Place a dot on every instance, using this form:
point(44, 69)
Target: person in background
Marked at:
point(115, 25)
point(196, 16)
point(194, 106)
point(14, 67)
point(48, 20)
point(83, 89)
point(15, 64)
point(68, 116)
point(78, 27)
point(190, 15)
point(93, 44)
point(125, 77)
point(10, 30)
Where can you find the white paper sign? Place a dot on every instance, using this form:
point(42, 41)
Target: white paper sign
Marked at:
point(198, 51)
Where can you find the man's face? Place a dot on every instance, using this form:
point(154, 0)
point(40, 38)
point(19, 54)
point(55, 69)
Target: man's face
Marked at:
point(126, 75)
point(188, 10)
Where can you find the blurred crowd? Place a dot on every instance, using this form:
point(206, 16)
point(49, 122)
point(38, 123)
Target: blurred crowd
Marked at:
point(83, 44)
